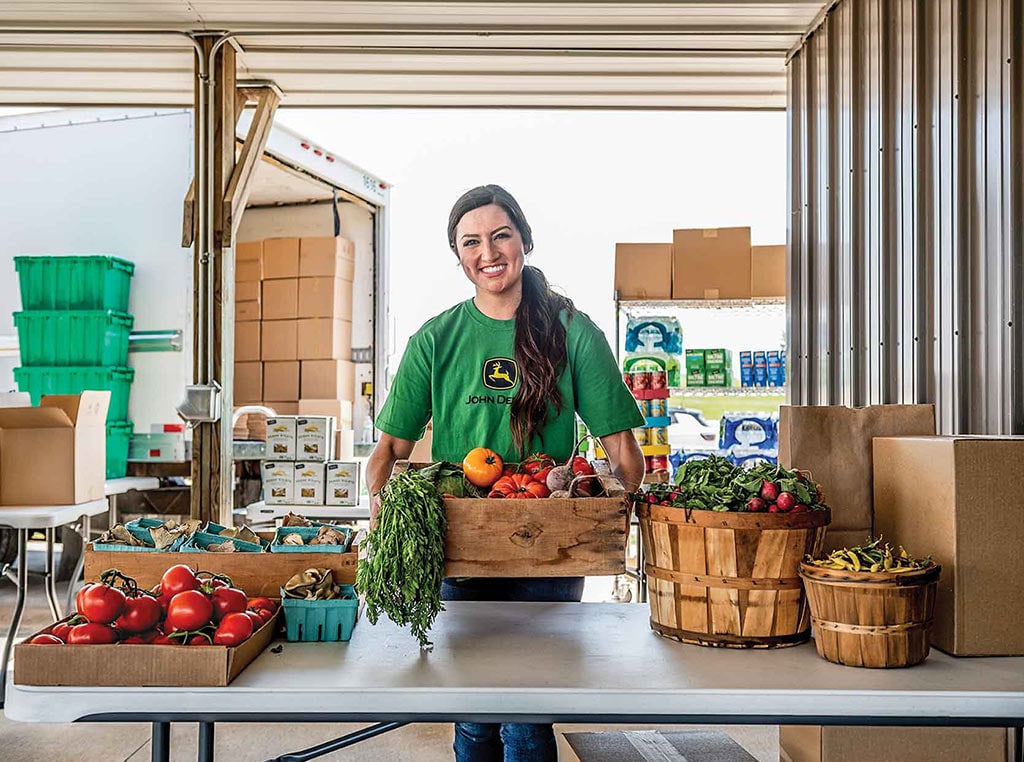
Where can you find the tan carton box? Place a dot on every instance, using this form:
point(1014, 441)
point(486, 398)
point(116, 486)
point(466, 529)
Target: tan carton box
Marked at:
point(342, 483)
point(247, 311)
point(247, 341)
point(278, 481)
point(711, 263)
point(314, 437)
point(814, 743)
point(249, 271)
point(279, 340)
point(54, 454)
point(281, 437)
point(325, 298)
point(340, 410)
point(328, 378)
point(959, 499)
point(281, 299)
point(643, 270)
point(327, 257)
point(247, 291)
point(282, 407)
point(280, 258)
point(309, 483)
point(248, 382)
point(324, 339)
point(345, 444)
point(249, 251)
point(768, 271)
point(281, 380)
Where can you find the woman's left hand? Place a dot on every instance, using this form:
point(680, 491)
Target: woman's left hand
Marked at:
point(626, 458)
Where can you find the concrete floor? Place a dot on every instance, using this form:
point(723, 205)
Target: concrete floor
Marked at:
point(240, 742)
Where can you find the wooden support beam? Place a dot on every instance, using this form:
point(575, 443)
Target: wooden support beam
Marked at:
point(237, 194)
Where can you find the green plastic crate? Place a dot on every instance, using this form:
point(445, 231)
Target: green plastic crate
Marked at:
point(74, 380)
point(326, 621)
point(93, 282)
point(119, 434)
point(73, 337)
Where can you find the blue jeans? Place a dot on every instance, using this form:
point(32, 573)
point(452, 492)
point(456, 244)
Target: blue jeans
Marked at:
point(508, 742)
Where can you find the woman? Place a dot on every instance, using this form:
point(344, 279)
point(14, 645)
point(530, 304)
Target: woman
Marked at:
point(508, 369)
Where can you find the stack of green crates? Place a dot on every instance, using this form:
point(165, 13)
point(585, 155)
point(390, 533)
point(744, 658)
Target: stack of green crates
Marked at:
point(73, 332)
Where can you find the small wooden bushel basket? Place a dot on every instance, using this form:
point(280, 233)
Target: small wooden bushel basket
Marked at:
point(718, 578)
point(865, 619)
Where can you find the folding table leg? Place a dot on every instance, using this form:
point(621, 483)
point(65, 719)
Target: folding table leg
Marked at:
point(19, 607)
point(69, 604)
point(160, 742)
point(206, 742)
point(51, 577)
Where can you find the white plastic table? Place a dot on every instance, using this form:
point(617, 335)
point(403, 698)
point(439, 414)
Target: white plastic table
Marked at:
point(548, 662)
point(260, 512)
point(48, 518)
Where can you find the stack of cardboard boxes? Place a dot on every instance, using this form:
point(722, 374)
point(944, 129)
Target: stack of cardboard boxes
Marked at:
point(293, 326)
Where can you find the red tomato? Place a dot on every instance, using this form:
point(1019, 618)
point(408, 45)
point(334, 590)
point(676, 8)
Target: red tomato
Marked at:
point(164, 640)
point(233, 630)
point(61, 630)
point(45, 639)
point(217, 582)
point(102, 604)
point(188, 610)
point(265, 615)
point(482, 467)
point(262, 602)
point(140, 614)
point(538, 462)
point(178, 579)
point(92, 633)
point(142, 638)
point(200, 639)
point(519, 486)
point(228, 600)
point(257, 620)
point(581, 466)
point(80, 595)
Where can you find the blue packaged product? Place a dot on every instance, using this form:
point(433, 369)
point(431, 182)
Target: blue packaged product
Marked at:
point(746, 368)
point(746, 457)
point(760, 368)
point(755, 430)
point(776, 375)
point(686, 456)
point(654, 334)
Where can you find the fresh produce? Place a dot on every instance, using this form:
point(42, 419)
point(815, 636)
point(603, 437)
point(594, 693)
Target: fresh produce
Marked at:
point(141, 613)
point(92, 633)
point(228, 600)
point(189, 610)
point(519, 486)
point(102, 603)
point(872, 556)
point(401, 573)
point(233, 630)
point(178, 579)
point(44, 639)
point(482, 467)
point(326, 535)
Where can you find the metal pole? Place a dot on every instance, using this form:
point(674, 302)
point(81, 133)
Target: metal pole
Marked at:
point(206, 745)
point(19, 608)
point(50, 578)
point(160, 742)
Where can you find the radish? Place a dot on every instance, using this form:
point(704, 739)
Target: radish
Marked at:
point(799, 508)
point(785, 501)
point(756, 504)
point(769, 491)
point(773, 508)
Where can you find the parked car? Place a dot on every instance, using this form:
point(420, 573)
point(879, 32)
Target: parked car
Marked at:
point(689, 430)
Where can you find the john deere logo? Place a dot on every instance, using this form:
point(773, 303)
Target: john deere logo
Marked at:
point(500, 373)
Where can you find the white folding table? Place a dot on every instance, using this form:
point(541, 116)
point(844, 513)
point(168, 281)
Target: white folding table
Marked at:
point(546, 662)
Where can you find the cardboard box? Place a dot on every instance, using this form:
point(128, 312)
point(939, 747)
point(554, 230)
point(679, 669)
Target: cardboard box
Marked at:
point(281, 299)
point(696, 370)
point(760, 369)
point(279, 340)
point(249, 251)
point(327, 257)
point(250, 271)
point(309, 483)
point(248, 382)
point(342, 483)
point(54, 454)
point(278, 480)
point(718, 367)
point(248, 291)
point(281, 437)
point(768, 270)
point(281, 380)
point(643, 270)
point(345, 443)
point(813, 743)
point(129, 665)
point(325, 298)
point(283, 408)
point(960, 500)
point(328, 378)
point(711, 263)
point(247, 341)
point(280, 258)
point(164, 447)
point(324, 339)
point(247, 311)
point(340, 410)
point(746, 368)
point(314, 438)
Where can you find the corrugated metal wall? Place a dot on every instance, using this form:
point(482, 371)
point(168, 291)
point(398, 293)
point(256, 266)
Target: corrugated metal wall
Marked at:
point(906, 140)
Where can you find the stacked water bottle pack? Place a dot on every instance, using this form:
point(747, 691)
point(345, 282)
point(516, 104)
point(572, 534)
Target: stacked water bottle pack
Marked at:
point(746, 439)
point(650, 367)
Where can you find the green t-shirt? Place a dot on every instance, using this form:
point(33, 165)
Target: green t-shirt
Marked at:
point(459, 369)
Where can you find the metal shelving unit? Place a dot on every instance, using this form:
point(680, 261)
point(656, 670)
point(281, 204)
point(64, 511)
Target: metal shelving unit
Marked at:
point(729, 391)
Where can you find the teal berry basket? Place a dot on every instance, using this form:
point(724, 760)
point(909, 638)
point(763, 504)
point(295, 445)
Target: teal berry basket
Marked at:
point(307, 534)
point(212, 528)
point(200, 541)
point(321, 621)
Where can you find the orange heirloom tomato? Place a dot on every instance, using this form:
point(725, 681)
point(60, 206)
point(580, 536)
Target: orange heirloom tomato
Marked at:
point(519, 486)
point(482, 467)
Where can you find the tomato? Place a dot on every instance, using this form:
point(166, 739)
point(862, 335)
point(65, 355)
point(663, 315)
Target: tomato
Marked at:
point(482, 467)
point(265, 615)
point(164, 600)
point(200, 639)
point(165, 640)
point(228, 600)
point(178, 579)
point(61, 630)
point(102, 604)
point(519, 486)
point(81, 594)
point(188, 610)
point(92, 633)
point(538, 462)
point(142, 638)
point(262, 602)
point(45, 639)
point(257, 620)
point(140, 614)
point(233, 630)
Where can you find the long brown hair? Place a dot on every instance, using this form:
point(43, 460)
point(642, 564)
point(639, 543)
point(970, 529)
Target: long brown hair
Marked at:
point(540, 341)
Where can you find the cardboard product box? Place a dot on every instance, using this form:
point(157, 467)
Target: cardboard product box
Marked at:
point(281, 380)
point(340, 410)
point(711, 263)
point(959, 499)
point(345, 443)
point(282, 408)
point(718, 367)
point(54, 454)
point(248, 382)
point(248, 291)
point(327, 257)
point(342, 482)
point(247, 311)
point(325, 298)
point(249, 251)
point(746, 368)
point(247, 341)
point(309, 483)
point(314, 437)
point(643, 270)
point(278, 480)
point(249, 271)
point(279, 340)
point(280, 299)
point(696, 371)
point(776, 370)
point(814, 743)
point(324, 339)
point(281, 437)
point(280, 258)
point(768, 271)
point(328, 378)
point(760, 368)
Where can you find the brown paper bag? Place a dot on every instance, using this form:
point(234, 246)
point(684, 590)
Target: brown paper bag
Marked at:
point(833, 442)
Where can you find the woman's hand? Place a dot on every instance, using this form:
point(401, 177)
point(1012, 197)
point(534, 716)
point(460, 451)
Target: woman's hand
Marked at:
point(626, 458)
